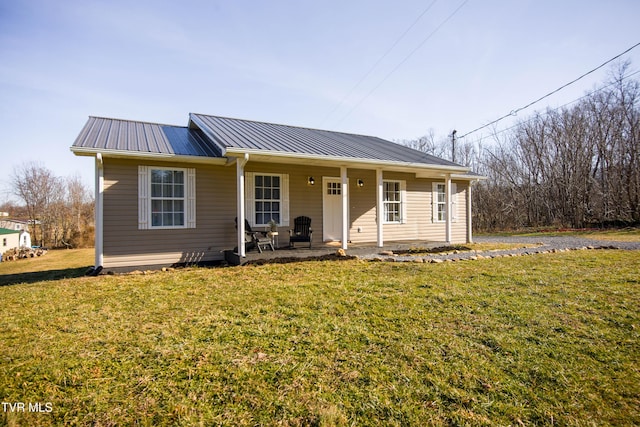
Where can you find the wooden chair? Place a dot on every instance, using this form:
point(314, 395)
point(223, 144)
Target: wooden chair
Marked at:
point(301, 232)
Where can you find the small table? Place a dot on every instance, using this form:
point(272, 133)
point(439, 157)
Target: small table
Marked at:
point(274, 238)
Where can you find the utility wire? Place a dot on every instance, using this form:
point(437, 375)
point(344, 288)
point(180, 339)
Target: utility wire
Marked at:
point(562, 106)
point(515, 112)
point(379, 60)
point(406, 58)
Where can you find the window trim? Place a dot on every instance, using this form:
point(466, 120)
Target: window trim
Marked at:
point(435, 203)
point(402, 189)
point(250, 197)
point(145, 219)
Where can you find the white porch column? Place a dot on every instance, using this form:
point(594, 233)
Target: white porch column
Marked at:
point(380, 207)
point(469, 232)
point(345, 207)
point(447, 192)
point(240, 197)
point(99, 214)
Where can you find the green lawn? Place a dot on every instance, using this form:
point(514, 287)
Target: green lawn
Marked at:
point(54, 265)
point(539, 340)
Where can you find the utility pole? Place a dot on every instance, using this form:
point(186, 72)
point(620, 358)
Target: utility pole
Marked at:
point(453, 146)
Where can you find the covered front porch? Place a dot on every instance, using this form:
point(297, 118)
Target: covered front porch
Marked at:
point(371, 206)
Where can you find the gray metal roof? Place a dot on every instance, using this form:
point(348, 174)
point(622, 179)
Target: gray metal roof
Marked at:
point(213, 136)
point(230, 133)
point(124, 135)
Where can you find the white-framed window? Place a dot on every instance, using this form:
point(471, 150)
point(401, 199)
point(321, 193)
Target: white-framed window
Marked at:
point(166, 197)
point(267, 198)
point(393, 198)
point(439, 202)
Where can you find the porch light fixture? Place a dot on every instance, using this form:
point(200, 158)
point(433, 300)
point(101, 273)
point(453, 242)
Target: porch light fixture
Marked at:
point(311, 181)
point(360, 183)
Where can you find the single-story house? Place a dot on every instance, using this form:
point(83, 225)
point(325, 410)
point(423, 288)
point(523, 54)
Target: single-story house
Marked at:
point(171, 194)
point(10, 239)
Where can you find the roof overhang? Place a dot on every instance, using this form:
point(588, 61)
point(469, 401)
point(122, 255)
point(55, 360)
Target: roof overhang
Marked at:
point(421, 170)
point(136, 155)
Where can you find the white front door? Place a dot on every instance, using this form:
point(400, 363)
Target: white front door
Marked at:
point(331, 209)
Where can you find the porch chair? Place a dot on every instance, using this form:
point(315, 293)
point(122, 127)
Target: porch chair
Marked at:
point(301, 232)
point(253, 239)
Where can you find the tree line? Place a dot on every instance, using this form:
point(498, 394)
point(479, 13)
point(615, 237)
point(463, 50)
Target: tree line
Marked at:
point(576, 166)
point(60, 210)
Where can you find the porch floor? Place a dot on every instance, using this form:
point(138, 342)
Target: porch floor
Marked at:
point(303, 251)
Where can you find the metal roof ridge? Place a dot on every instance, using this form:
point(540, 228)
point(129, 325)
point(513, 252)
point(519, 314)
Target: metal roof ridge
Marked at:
point(289, 126)
point(142, 122)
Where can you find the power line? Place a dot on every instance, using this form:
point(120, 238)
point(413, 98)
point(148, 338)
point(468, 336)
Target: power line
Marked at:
point(406, 58)
point(516, 111)
point(562, 106)
point(379, 60)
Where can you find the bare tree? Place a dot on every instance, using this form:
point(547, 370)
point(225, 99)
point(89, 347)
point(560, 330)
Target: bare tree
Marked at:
point(37, 187)
point(59, 209)
point(575, 166)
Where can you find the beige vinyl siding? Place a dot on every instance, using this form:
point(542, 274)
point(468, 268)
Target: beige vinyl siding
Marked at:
point(459, 228)
point(304, 199)
point(125, 244)
point(418, 223)
point(362, 206)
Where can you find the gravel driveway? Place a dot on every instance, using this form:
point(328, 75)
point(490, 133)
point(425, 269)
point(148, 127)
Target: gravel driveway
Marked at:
point(543, 244)
point(558, 242)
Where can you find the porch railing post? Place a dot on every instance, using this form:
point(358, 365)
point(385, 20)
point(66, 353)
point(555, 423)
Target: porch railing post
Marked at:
point(447, 192)
point(241, 162)
point(345, 206)
point(99, 213)
point(469, 224)
point(380, 207)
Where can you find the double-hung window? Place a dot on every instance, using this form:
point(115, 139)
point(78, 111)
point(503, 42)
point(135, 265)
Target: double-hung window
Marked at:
point(166, 197)
point(267, 198)
point(439, 201)
point(393, 201)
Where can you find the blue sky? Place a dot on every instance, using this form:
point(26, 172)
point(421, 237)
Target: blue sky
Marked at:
point(291, 62)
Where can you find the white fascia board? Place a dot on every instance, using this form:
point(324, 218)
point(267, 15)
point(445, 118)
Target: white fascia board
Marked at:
point(336, 161)
point(124, 154)
point(456, 176)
